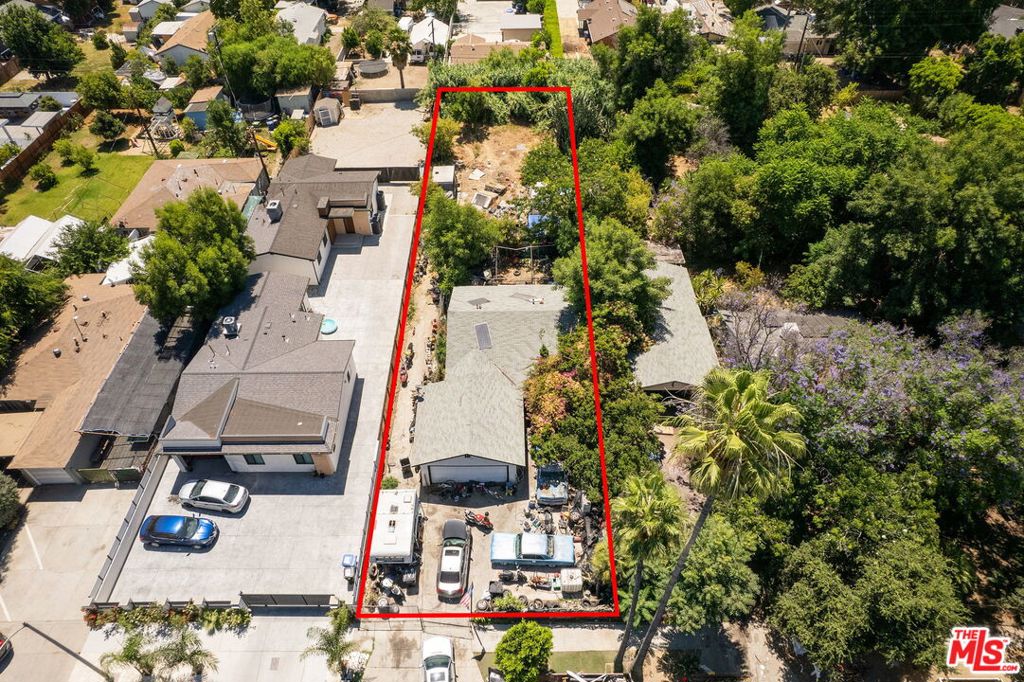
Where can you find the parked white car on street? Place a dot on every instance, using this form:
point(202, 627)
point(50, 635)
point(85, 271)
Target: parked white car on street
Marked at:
point(215, 495)
point(438, 660)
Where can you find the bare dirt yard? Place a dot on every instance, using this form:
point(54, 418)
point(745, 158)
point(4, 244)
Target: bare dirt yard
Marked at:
point(498, 152)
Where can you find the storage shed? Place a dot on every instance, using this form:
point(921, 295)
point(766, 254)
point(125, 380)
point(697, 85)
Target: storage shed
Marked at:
point(327, 111)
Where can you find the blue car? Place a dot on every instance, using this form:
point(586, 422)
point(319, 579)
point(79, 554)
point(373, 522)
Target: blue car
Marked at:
point(182, 531)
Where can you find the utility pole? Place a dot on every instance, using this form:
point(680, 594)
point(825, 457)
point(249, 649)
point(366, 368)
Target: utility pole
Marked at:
point(145, 124)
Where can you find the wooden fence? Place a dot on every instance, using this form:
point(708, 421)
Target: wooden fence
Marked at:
point(16, 168)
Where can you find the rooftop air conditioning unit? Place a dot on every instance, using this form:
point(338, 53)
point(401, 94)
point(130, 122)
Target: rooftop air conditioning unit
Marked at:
point(274, 210)
point(230, 325)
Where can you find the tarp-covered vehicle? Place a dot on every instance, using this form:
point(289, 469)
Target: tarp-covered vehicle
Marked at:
point(532, 549)
point(552, 485)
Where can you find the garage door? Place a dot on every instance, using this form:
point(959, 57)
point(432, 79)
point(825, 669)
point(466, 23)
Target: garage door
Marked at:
point(49, 476)
point(485, 474)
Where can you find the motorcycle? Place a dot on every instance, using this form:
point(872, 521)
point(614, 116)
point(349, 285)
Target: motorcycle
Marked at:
point(481, 521)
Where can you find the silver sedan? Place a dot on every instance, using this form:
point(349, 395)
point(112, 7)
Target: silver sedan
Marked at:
point(214, 495)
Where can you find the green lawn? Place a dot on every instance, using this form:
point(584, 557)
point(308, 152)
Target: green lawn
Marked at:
point(552, 27)
point(92, 196)
point(576, 661)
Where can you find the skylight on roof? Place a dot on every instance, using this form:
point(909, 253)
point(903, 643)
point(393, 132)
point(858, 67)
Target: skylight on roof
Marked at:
point(483, 336)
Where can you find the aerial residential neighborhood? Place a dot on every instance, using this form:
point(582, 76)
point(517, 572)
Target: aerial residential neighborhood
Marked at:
point(511, 340)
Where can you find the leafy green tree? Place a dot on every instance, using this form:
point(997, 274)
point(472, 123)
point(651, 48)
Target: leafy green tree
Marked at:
point(84, 157)
point(223, 134)
point(994, 69)
point(610, 185)
point(444, 138)
point(199, 259)
point(911, 603)
point(717, 583)
point(647, 522)
point(350, 39)
point(196, 72)
point(932, 80)
point(291, 134)
point(913, 250)
point(27, 299)
point(373, 19)
point(47, 103)
point(8, 151)
point(260, 66)
point(701, 211)
point(616, 262)
point(43, 176)
point(457, 238)
point(736, 443)
point(41, 46)
point(813, 87)
point(660, 124)
point(743, 77)
point(332, 642)
point(100, 89)
point(118, 55)
point(820, 610)
point(522, 654)
point(107, 126)
point(658, 47)
point(880, 37)
point(89, 247)
point(10, 500)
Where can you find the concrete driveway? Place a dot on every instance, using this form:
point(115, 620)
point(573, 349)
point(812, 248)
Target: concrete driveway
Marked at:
point(374, 136)
point(48, 572)
point(482, 18)
point(292, 535)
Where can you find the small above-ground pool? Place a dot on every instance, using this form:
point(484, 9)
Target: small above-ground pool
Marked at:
point(328, 326)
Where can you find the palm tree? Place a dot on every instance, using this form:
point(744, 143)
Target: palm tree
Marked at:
point(332, 642)
point(647, 521)
point(136, 653)
point(187, 649)
point(400, 47)
point(735, 444)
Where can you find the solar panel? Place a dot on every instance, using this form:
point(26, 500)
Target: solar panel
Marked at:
point(477, 302)
point(483, 336)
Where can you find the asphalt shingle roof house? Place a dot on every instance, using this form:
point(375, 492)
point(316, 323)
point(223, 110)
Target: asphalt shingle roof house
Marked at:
point(57, 377)
point(682, 352)
point(308, 23)
point(472, 425)
point(265, 391)
point(308, 206)
point(603, 19)
point(174, 180)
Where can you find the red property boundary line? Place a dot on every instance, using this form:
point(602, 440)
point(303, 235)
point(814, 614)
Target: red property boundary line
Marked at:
point(392, 390)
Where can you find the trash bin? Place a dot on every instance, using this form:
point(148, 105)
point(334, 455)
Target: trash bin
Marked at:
point(354, 102)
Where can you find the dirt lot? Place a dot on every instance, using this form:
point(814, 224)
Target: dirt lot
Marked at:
point(498, 152)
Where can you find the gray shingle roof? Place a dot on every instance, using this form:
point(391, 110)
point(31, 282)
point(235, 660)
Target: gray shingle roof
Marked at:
point(276, 361)
point(520, 318)
point(476, 410)
point(134, 395)
point(299, 187)
point(683, 352)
